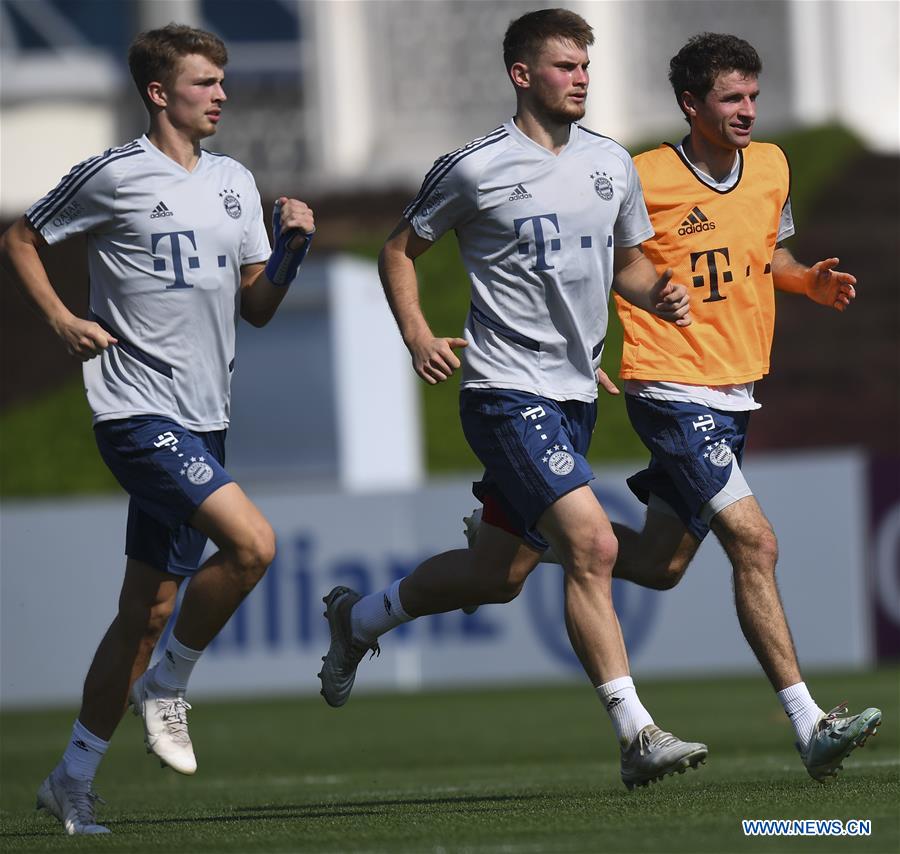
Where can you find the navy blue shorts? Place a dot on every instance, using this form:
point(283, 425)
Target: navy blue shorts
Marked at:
point(532, 449)
point(169, 472)
point(691, 448)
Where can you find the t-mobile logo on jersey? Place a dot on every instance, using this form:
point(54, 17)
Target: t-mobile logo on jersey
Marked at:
point(712, 264)
point(160, 264)
point(177, 260)
point(542, 243)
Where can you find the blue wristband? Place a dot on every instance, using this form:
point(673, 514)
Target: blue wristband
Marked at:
point(282, 266)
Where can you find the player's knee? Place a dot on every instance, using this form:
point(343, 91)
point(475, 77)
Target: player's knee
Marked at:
point(157, 618)
point(767, 547)
point(255, 554)
point(756, 554)
point(503, 591)
point(593, 555)
point(761, 545)
point(666, 576)
point(496, 583)
point(138, 621)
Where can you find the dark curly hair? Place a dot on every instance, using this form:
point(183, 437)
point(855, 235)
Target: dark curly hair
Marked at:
point(695, 67)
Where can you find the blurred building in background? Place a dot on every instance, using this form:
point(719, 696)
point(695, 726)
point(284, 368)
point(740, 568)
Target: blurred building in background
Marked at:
point(351, 95)
point(346, 103)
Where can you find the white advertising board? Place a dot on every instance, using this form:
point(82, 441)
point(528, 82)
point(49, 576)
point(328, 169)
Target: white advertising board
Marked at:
point(62, 567)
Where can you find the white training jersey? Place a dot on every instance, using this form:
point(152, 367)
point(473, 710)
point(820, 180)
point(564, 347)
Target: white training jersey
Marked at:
point(165, 251)
point(731, 398)
point(536, 233)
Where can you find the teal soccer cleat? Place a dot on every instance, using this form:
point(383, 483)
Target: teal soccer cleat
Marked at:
point(835, 736)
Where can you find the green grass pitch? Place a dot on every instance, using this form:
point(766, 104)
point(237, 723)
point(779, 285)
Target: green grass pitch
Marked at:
point(515, 770)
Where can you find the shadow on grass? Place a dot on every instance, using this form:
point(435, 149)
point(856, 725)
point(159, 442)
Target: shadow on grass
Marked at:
point(336, 809)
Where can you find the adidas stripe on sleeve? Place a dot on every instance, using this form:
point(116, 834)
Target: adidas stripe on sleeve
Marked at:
point(449, 195)
point(84, 199)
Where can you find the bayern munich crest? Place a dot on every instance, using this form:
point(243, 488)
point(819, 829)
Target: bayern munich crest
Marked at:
point(197, 471)
point(602, 185)
point(232, 203)
point(560, 462)
point(719, 454)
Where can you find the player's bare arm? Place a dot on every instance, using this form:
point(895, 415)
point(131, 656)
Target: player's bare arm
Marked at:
point(635, 279)
point(605, 382)
point(432, 357)
point(821, 282)
point(20, 258)
point(263, 286)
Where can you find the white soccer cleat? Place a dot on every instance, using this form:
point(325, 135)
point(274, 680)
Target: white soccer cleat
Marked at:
point(71, 801)
point(655, 753)
point(165, 723)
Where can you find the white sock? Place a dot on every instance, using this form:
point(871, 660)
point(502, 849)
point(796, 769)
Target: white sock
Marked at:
point(83, 753)
point(626, 711)
point(801, 709)
point(378, 613)
point(174, 668)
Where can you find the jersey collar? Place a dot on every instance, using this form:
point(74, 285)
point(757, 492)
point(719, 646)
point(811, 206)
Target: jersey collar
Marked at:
point(151, 149)
point(726, 186)
point(527, 142)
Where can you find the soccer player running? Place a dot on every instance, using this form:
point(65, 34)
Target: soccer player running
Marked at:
point(720, 207)
point(549, 217)
point(176, 249)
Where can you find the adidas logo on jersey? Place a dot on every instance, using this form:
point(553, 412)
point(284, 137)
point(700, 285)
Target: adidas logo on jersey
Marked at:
point(161, 210)
point(696, 222)
point(519, 193)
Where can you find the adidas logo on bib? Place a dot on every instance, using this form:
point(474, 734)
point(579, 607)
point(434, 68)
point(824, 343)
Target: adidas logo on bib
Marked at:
point(696, 222)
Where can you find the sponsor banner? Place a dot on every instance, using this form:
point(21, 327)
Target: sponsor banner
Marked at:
point(62, 568)
point(884, 559)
